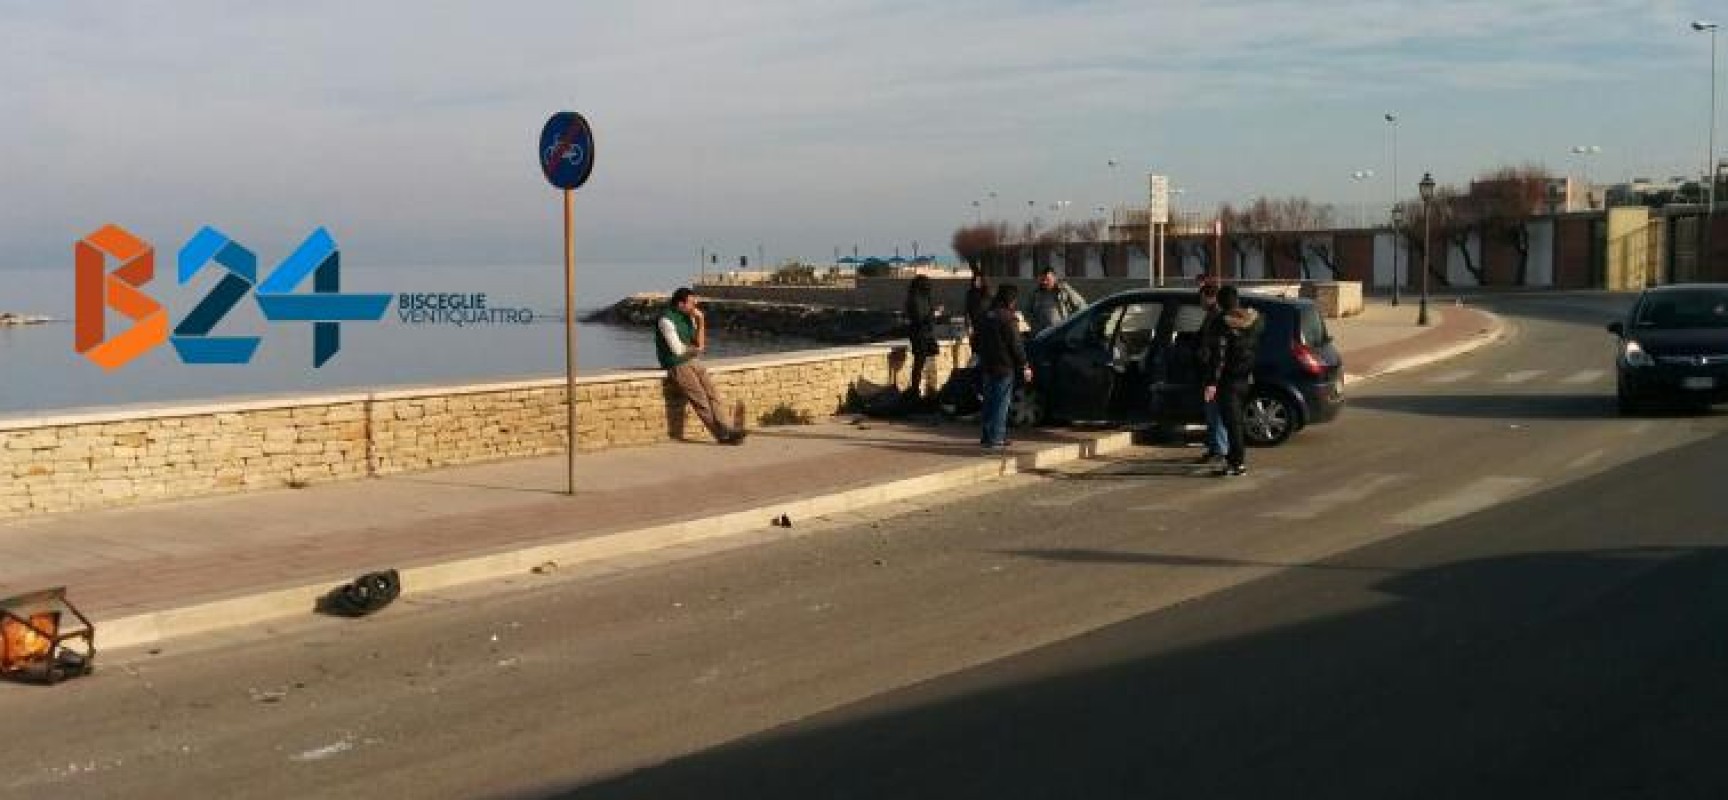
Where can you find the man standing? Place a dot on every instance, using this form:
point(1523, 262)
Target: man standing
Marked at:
point(1217, 439)
point(1231, 338)
point(1051, 302)
point(1001, 359)
point(681, 338)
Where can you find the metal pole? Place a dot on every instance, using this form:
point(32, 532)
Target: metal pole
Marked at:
point(1710, 163)
point(1396, 277)
point(570, 341)
point(1422, 310)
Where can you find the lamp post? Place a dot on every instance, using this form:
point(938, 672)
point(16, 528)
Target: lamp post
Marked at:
point(977, 213)
point(1362, 205)
point(1583, 152)
point(1397, 240)
point(1392, 123)
point(1703, 26)
point(1426, 187)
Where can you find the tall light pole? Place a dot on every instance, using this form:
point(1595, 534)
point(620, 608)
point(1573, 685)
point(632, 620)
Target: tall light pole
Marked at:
point(1392, 123)
point(1703, 26)
point(1359, 176)
point(1426, 187)
point(977, 213)
point(1583, 152)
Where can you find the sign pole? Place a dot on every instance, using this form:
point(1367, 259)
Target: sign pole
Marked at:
point(570, 340)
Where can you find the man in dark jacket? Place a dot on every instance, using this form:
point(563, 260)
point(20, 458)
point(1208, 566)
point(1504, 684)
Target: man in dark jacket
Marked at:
point(1001, 359)
point(1230, 340)
point(1217, 440)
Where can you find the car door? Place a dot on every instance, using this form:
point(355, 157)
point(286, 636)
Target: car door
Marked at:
point(1177, 384)
point(1084, 379)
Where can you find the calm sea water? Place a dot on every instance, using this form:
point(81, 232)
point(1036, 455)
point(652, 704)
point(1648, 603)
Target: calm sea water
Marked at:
point(40, 372)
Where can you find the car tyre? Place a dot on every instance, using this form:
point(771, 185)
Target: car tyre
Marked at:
point(1268, 418)
point(1026, 409)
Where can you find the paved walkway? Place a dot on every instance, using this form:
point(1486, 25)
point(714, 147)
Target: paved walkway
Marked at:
point(148, 573)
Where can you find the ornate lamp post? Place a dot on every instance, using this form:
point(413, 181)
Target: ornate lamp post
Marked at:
point(1397, 240)
point(1426, 187)
point(1392, 125)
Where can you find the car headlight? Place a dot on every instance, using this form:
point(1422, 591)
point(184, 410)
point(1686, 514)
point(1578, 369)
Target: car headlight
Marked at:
point(1634, 356)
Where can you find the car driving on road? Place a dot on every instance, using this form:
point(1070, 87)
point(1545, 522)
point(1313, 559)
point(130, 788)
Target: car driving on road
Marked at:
point(1134, 357)
point(1673, 347)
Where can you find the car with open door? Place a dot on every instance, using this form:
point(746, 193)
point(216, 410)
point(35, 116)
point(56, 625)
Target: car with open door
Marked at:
point(1133, 357)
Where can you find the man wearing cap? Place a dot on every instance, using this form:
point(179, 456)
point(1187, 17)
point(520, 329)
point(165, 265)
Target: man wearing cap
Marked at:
point(1050, 303)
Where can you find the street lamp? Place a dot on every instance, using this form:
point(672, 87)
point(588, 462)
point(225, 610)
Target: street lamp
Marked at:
point(1392, 123)
point(1397, 228)
point(1703, 26)
point(977, 213)
point(1426, 187)
point(1583, 152)
point(1362, 206)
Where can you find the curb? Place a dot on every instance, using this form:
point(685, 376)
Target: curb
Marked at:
point(1496, 331)
point(159, 626)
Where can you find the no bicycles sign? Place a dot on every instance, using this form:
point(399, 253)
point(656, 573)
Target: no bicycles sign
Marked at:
point(567, 150)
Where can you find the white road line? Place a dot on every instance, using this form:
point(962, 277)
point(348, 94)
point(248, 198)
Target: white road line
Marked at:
point(1361, 488)
point(1473, 496)
point(1206, 487)
point(1584, 376)
point(1453, 376)
point(1587, 459)
point(1521, 376)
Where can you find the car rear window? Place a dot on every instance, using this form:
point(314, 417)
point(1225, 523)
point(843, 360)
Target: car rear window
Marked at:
point(1314, 333)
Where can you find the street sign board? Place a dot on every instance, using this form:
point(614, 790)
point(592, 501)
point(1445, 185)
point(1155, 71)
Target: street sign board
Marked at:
point(1158, 200)
point(566, 150)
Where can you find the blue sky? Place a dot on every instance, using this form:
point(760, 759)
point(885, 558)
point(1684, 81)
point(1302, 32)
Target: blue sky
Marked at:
point(801, 125)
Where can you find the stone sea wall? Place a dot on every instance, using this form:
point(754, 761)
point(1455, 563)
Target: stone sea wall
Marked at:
point(775, 316)
point(124, 456)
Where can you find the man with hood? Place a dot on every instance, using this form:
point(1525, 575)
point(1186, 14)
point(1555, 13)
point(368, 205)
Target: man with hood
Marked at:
point(1230, 340)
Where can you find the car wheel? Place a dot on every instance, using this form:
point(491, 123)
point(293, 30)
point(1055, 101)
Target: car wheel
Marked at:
point(1026, 409)
point(1268, 419)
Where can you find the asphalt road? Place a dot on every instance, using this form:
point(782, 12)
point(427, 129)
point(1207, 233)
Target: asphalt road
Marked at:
point(1481, 582)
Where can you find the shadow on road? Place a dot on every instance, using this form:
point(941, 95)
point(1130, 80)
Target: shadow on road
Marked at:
point(1520, 652)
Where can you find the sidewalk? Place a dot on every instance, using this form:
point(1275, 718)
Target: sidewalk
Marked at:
point(151, 573)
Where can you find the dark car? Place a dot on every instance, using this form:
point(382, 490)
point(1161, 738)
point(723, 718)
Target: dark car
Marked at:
point(1134, 357)
point(1673, 347)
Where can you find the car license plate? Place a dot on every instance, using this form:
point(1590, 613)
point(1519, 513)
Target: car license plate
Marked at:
point(1698, 383)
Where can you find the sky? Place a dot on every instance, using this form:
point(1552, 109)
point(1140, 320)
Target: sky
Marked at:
point(797, 127)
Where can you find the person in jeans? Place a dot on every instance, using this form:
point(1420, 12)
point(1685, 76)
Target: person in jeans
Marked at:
point(681, 338)
point(1001, 359)
point(1231, 339)
point(1217, 439)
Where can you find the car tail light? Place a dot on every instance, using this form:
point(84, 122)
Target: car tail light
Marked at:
point(1309, 360)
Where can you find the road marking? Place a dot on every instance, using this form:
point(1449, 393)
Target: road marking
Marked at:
point(1473, 496)
point(1360, 489)
point(1584, 376)
point(1587, 459)
point(1521, 376)
point(1453, 376)
point(1207, 487)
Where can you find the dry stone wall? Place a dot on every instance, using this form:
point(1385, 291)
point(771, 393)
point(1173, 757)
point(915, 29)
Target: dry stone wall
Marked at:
point(124, 456)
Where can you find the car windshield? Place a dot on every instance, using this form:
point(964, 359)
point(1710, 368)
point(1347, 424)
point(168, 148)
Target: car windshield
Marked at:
point(1699, 308)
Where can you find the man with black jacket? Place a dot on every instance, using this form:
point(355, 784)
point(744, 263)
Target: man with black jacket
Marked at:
point(1230, 340)
point(1001, 359)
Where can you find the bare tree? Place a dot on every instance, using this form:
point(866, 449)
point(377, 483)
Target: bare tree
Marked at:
point(1289, 223)
point(1505, 201)
point(974, 243)
point(1242, 230)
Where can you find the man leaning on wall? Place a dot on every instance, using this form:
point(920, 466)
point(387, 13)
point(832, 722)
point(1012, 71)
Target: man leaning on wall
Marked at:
point(681, 336)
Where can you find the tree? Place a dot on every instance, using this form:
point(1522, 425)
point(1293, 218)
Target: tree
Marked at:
point(1242, 231)
point(1289, 223)
point(1505, 200)
point(973, 243)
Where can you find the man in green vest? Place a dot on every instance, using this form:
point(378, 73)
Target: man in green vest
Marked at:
point(681, 336)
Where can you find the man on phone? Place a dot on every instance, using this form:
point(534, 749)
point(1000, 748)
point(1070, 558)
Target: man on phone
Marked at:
point(681, 338)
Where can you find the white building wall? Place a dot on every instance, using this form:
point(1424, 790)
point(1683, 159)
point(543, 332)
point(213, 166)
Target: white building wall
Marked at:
point(1456, 274)
point(1542, 253)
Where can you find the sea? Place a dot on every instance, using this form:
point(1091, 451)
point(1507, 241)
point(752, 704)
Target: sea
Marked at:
point(520, 337)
